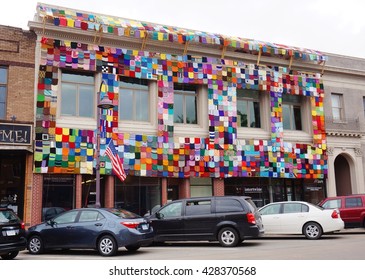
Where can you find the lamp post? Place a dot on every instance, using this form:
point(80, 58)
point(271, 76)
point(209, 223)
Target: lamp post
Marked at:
point(105, 103)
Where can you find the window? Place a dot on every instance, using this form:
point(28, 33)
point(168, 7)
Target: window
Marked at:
point(134, 100)
point(292, 118)
point(90, 216)
point(65, 218)
point(353, 202)
point(294, 208)
point(78, 95)
point(228, 205)
point(171, 210)
point(333, 203)
point(271, 210)
point(198, 207)
point(337, 106)
point(3, 91)
point(248, 108)
point(185, 100)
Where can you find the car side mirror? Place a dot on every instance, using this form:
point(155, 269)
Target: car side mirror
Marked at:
point(50, 222)
point(159, 215)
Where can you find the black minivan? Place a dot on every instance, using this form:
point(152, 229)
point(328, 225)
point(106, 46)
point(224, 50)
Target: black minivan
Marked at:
point(228, 219)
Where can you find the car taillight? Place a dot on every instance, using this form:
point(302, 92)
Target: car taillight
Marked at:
point(22, 225)
point(130, 224)
point(334, 214)
point(251, 218)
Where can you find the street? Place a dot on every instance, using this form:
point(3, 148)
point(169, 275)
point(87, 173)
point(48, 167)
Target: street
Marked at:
point(346, 245)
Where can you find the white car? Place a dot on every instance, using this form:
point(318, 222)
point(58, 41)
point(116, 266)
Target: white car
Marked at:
point(299, 217)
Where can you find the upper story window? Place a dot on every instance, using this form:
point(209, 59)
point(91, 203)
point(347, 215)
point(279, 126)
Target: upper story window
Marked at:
point(3, 91)
point(337, 106)
point(77, 94)
point(134, 100)
point(185, 104)
point(248, 108)
point(292, 112)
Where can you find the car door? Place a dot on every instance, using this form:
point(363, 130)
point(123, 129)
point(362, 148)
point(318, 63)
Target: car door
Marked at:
point(293, 217)
point(59, 231)
point(353, 209)
point(86, 229)
point(270, 216)
point(199, 219)
point(168, 222)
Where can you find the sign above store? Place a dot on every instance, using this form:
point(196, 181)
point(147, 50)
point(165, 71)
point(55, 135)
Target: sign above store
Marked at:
point(15, 134)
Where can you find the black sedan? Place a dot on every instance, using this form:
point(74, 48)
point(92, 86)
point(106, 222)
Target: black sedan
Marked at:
point(102, 229)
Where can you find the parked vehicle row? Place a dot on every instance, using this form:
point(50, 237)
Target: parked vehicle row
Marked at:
point(227, 219)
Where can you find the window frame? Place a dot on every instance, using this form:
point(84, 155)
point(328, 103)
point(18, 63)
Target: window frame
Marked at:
point(185, 90)
point(292, 105)
point(248, 100)
point(78, 99)
point(133, 81)
point(340, 109)
point(5, 86)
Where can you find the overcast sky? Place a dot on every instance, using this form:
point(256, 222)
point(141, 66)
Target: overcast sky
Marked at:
point(333, 26)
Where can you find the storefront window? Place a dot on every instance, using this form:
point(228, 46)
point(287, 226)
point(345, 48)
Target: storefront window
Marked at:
point(201, 187)
point(89, 190)
point(140, 195)
point(255, 187)
point(58, 191)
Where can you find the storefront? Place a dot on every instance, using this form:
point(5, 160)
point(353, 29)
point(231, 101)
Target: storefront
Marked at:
point(15, 150)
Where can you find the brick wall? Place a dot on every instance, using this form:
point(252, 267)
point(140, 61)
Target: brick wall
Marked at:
point(17, 52)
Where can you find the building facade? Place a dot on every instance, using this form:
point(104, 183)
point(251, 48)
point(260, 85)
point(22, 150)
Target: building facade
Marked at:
point(344, 82)
point(17, 50)
point(194, 114)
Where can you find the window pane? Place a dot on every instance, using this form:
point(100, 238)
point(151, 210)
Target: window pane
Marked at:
point(142, 108)
point(335, 100)
point(336, 113)
point(178, 109)
point(242, 113)
point(3, 75)
point(126, 104)
point(191, 109)
point(2, 94)
point(297, 118)
point(86, 101)
point(2, 110)
point(78, 78)
point(257, 119)
point(286, 116)
point(68, 101)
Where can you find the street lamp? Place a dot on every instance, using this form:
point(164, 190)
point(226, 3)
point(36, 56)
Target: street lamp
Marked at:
point(105, 103)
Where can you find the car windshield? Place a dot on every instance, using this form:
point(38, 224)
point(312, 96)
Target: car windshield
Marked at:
point(8, 216)
point(122, 213)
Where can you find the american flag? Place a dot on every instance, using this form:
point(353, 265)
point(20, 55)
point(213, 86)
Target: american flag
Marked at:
point(117, 165)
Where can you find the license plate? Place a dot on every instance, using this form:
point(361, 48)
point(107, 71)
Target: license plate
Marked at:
point(10, 232)
point(145, 226)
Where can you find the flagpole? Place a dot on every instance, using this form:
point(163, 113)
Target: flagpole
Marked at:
point(105, 103)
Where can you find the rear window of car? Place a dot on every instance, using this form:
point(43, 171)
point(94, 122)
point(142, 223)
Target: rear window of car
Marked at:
point(228, 205)
point(332, 203)
point(352, 202)
point(122, 213)
point(7, 216)
point(295, 208)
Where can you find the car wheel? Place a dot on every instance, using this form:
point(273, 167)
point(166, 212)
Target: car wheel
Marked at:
point(228, 237)
point(312, 230)
point(107, 246)
point(10, 255)
point(132, 248)
point(35, 245)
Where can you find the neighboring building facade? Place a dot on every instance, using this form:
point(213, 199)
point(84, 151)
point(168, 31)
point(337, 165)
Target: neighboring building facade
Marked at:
point(17, 50)
point(344, 82)
point(194, 114)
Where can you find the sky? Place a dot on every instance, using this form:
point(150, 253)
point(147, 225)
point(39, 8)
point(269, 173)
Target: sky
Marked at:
point(331, 26)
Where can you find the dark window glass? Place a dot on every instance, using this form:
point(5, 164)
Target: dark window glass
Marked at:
point(198, 207)
point(228, 205)
point(248, 108)
point(353, 202)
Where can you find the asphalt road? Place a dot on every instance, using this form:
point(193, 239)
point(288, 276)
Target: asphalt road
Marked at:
point(346, 245)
